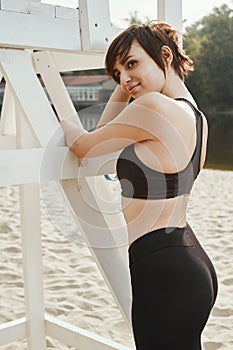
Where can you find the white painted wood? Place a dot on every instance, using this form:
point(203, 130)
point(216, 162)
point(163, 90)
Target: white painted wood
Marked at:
point(7, 142)
point(50, 164)
point(32, 265)
point(95, 226)
point(7, 120)
point(77, 337)
point(66, 62)
point(29, 7)
point(55, 86)
point(12, 331)
point(170, 11)
point(97, 31)
point(42, 10)
point(101, 240)
point(29, 200)
point(66, 12)
point(22, 30)
point(15, 5)
point(33, 101)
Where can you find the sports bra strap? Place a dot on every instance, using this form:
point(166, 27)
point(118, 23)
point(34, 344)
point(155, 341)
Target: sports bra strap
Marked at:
point(199, 142)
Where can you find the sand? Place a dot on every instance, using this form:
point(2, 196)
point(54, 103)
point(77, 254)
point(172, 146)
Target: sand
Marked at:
point(74, 289)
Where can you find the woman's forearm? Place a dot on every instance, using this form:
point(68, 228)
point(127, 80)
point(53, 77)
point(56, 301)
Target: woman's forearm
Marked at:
point(117, 102)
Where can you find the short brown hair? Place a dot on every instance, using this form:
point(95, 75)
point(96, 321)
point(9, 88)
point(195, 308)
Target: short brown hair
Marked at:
point(152, 37)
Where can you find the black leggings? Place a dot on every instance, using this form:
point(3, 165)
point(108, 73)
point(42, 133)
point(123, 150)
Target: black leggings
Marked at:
point(174, 288)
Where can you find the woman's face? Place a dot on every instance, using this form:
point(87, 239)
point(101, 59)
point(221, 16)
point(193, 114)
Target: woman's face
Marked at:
point(138, 73)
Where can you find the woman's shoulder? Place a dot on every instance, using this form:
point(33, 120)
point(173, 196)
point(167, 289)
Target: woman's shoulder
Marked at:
point(162, 104)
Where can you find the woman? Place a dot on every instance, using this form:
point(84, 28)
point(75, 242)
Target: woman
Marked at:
point(163, 136)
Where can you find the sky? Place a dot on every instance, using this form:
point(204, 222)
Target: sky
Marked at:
point(193, 10)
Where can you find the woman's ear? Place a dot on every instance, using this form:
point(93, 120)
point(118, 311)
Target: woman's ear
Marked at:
point(167, 55)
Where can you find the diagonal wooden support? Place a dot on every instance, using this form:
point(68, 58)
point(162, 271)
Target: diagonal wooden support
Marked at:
point(72, 336)
point(92, 222)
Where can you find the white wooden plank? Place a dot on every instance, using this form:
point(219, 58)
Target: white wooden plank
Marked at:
point(7, 142)
point(66, 12)
point(20, 30)
point(79, 338)
point(101, 240)
point(30, 217)
point(15, 5)
point(38, 166)
point(170, 11)
point(91, 217)
point(30, 95)
point(13, 331)
point(45, 10)
point(28, 6)
point(32, 265)
point(55, 86)
point(66, 61)
point(97, 31)
point(7, 121)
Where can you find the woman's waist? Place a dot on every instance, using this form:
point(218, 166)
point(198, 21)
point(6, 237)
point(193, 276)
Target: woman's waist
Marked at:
point(143, 216)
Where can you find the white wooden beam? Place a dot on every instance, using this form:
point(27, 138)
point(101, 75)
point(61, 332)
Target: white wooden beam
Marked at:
point(77, 337)
point(50, 164)
point(66, 62)
point(30, 94)
point(32, 25)
point(13, 331)
point(29, 7)
point(94, 225)
point(97, 31)
point(30, 216)
point(7, 120)
point(55, 85)
point(7, 142)
point(34, 31)
point(32, 265)
point(170, 11)
point(103, 241)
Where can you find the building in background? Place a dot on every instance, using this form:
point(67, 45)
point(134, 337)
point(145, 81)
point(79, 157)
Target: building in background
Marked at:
point(89, 94)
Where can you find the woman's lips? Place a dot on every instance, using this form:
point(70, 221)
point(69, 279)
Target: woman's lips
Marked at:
point(132, 88)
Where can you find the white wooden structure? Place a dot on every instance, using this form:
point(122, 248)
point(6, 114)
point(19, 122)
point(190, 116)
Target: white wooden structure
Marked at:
point(47, 39)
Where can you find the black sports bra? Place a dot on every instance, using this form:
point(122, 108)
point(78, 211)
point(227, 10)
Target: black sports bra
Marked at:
point(139, 181)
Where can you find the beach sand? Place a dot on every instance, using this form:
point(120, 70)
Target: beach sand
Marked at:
point(74, 288)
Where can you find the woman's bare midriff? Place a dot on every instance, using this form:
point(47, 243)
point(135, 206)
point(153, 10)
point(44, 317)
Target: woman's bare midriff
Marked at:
point(143, 216)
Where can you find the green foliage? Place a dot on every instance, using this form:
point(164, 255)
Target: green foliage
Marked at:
point(209, 43)
point(134, 19)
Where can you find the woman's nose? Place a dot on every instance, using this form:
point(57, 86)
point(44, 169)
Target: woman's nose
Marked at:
point(125, 77)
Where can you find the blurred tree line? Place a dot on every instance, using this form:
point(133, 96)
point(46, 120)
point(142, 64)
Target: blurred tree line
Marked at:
point(209, 42)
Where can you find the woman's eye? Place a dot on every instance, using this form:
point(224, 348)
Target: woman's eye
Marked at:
point(131, 64)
